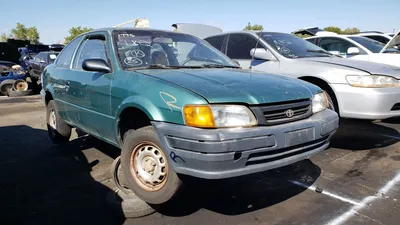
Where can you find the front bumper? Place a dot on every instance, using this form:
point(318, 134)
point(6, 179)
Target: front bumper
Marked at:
point(231, 152)
point(367, 103)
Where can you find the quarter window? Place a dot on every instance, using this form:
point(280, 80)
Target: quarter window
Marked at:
point(91, 49)
point(239, 46)
point(216, 41)
point(65, 57)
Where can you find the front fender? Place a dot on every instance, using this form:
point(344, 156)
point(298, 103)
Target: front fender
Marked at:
point(152, 112)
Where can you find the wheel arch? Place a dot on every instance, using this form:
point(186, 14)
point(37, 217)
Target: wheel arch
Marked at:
point(145, 112)
point(323, 84)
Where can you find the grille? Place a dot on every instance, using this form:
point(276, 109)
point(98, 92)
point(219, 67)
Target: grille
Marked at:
point(274, 155)
point(396, 107)
point(284, 113)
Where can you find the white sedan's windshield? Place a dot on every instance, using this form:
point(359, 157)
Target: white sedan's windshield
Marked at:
point(372, 45)
point(138, 49)
point(291, 46)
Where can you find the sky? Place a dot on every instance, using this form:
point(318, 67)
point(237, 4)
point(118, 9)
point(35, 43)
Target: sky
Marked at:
point(53, 18)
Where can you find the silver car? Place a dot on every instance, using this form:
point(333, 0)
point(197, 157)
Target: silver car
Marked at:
point(356, 89)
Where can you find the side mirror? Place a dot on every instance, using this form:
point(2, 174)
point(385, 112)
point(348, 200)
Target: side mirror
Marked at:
point(261, 53)
point(96, 65)
point(334, 52)
point(353, 51)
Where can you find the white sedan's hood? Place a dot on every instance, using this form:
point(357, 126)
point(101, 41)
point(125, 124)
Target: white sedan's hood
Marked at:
point(369, 67)
point(385, 58)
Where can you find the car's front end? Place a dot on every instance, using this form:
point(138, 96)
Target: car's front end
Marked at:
point(369, 97)
point(221, 141)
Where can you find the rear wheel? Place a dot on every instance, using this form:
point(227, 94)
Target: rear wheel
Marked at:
point(146, 167)
point(58, 130)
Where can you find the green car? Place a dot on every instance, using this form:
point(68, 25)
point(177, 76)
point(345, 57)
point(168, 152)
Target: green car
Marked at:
point(176, 106)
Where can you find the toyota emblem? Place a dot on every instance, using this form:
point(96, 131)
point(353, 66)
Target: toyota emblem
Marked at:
point(289, 113)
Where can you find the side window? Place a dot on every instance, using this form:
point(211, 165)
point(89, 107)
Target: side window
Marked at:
point(216, 41)
point(239, 46)
point(91, 49)
point(336, 44)
point(378, 38)
point(65, 57)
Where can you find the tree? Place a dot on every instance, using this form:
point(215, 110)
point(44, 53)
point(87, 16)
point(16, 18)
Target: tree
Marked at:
point(3, 37)
point(75, 31)
point(351, 31)
point(333, 29)
point(25, 33)
point(253, 27)
point(340, 31)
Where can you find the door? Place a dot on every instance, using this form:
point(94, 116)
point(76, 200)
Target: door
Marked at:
point(89, 92)
point(238, 49)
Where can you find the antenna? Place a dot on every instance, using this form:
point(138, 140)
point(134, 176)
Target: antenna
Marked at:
point(252, 57)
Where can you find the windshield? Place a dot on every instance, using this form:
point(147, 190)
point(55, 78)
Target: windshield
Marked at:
point(292, 46)
point(372, 45)
point(141, 49)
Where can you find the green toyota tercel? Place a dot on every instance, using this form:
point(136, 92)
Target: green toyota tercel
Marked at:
point(175, 105)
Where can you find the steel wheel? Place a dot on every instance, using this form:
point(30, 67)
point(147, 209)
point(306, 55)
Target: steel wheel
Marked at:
point(149, 166)
point(20, 85)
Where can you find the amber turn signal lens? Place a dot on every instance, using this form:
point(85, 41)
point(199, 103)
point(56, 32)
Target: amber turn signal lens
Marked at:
point(198, 116)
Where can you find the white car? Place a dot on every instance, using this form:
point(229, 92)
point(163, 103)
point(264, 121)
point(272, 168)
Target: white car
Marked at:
point(359, 48)
point(381, 37)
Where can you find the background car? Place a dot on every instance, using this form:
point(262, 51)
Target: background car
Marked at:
point(39, 63)
point(377, 36)
point(360, 48)
point(354, 88)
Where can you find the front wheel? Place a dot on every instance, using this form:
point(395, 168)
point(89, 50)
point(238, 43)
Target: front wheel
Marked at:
point(146, 167)
point(58, 130)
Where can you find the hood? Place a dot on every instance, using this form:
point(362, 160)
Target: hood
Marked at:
point(237, 86)
point(395, 41)
point(366, 66)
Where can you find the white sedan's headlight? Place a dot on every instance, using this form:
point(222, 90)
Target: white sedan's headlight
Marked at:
point(319, 102)
point(372, 81)
point(215, 116)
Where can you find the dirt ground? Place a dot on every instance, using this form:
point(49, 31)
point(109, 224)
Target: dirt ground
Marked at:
point(355, 181)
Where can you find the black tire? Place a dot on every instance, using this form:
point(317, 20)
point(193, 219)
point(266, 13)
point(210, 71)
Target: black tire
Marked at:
point(170, 185)
point(6, 86)
point(128, 204)
point(13, 93)
point(62, 133)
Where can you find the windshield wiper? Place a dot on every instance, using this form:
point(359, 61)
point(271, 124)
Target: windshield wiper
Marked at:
point(152, 66)
point(217, 66)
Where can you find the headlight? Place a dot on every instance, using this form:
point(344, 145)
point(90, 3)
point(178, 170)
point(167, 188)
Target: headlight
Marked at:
point(372, 81)
point(319, 102)
point(213, 116)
